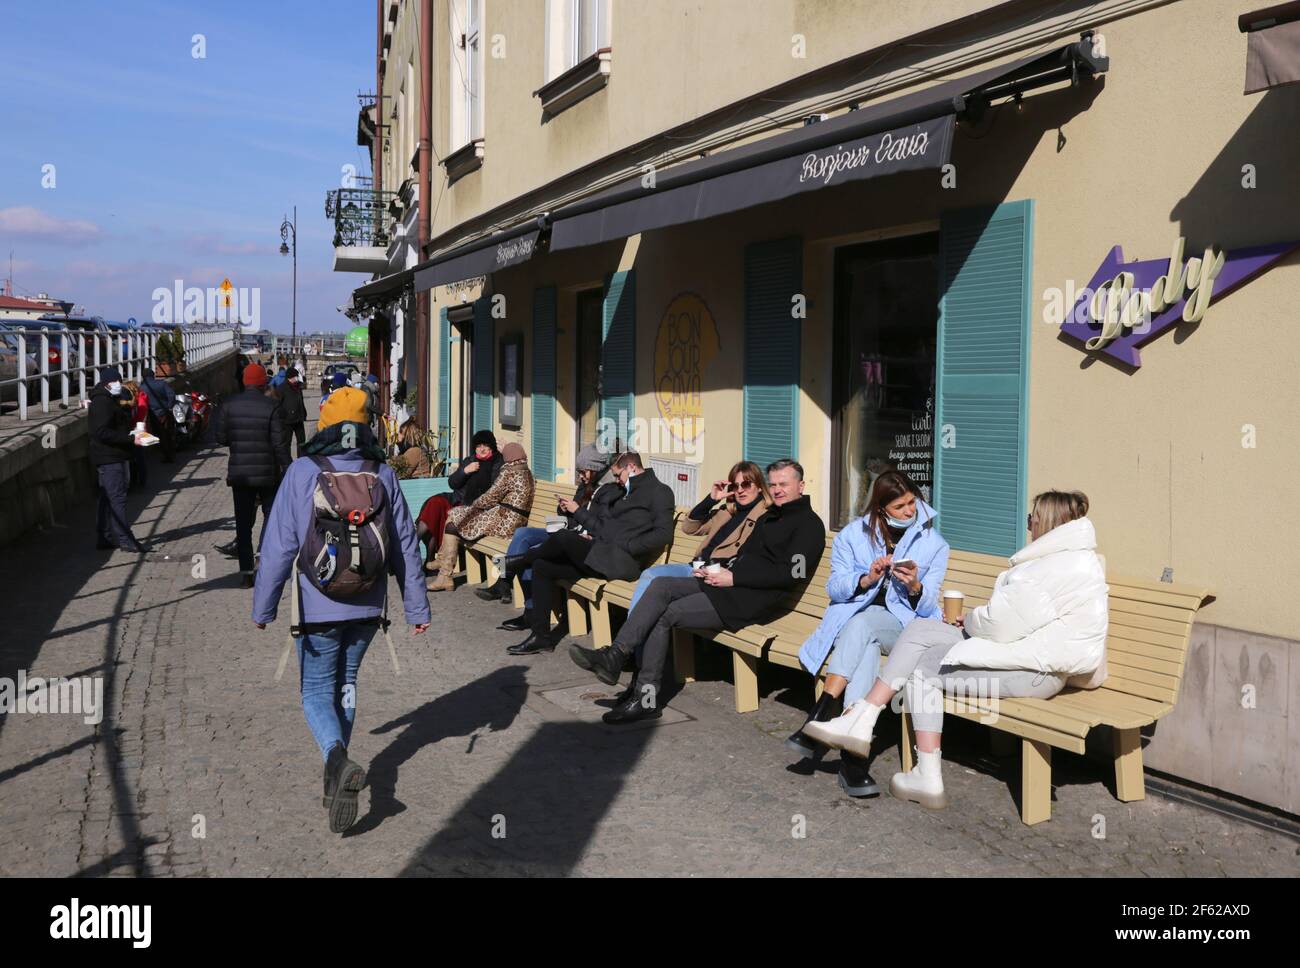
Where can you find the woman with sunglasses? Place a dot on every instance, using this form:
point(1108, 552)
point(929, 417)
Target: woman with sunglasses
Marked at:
point(726, 518)
point(886, 569)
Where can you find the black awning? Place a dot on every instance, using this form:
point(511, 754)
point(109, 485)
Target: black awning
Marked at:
point(1272, 46)
point(498, 251)
point(907, 133)
point(383, 289)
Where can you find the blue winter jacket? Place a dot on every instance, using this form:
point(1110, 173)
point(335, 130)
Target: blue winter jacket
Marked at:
point(852, 553)
point(286, 529)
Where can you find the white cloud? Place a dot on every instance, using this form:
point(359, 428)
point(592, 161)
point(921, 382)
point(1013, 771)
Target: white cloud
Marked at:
point(26, 222)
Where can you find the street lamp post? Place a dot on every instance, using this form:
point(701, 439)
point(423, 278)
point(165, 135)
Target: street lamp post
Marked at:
point(289, 230)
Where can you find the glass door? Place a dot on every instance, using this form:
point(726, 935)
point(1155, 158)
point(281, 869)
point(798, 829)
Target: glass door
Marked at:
point(886, 336)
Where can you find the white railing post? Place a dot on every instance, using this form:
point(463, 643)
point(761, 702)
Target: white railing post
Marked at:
point(22, 375)
point(45, 369)
point(66, 342)
point(94, 342)
point(81, 366)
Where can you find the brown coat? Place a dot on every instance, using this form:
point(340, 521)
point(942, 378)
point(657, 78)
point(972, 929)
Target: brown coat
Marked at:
point(489, 515)
point(731, 546)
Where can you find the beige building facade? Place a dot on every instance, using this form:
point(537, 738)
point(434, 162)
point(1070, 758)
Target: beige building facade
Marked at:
point(905, 291)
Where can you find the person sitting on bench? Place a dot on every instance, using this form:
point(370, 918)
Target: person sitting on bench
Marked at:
point(631, 533)
point(886, 570)
point(780, 555)
point(1043, 628)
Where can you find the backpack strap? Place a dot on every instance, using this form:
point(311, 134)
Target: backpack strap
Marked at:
point(322, 463)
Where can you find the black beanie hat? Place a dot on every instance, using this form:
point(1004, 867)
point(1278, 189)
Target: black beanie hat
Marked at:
point(485, 437)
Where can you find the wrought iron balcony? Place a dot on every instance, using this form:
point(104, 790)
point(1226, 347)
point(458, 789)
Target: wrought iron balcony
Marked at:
point(359, 215)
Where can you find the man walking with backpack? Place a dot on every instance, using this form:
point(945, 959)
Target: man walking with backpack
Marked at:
point(340, 517)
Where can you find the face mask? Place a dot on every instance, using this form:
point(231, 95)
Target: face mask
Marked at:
point(115, 388)
point(902, 524)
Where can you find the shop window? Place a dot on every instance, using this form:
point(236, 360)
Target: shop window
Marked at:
point(886, 337)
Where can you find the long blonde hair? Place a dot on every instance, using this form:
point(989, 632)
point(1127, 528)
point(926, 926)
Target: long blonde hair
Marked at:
point(1051, 509)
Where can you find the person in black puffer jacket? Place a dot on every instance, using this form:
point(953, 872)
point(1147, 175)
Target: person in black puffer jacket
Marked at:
point(111, 447)
point(251, 424)
point(295, 410)
point(468, 482)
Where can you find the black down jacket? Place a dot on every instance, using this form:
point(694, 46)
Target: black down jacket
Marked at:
point(251, 424)
point(110, 428)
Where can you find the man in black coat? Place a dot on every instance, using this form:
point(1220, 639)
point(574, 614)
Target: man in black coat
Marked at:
point(295, 410)
point(630, 533)
point(781, 554)
point(111, 446)
point(251, 424)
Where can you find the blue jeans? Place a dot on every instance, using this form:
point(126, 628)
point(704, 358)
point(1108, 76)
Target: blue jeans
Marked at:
point(327, 666)
point(650, 574)
point(856, 655)
point(525, 539)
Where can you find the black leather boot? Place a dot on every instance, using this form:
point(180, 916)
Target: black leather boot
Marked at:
point(512, 565)
point(343, 781)
point(642, 704)
point(854, 778)
point(521, 623)
point(536, 642)
point(496, 592)
point(606, 663)
point(827, 707)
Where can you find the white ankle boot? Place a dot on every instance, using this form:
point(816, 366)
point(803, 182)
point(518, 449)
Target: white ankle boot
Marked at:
point(924, 784)
point(850, 731)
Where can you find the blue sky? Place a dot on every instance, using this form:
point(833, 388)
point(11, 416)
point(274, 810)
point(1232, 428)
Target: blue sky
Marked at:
point(173, 167)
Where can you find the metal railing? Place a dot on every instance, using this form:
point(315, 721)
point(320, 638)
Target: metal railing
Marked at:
point(359, 215)
point(82, 353)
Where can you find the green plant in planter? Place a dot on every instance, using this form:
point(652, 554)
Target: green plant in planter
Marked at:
point(412, 398)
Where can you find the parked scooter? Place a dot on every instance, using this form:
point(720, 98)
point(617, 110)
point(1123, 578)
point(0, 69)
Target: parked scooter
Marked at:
point(190, 413)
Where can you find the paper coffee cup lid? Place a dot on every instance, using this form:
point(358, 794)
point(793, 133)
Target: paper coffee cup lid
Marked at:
point(953, 593)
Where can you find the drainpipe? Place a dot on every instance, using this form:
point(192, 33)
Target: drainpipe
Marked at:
point(377, 156)
point(424, 173)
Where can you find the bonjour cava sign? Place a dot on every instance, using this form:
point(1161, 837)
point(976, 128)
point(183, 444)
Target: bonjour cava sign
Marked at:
point(1128, 304)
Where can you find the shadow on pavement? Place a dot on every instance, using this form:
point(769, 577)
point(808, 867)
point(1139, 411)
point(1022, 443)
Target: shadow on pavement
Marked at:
point(538, 814)
point(489, 704)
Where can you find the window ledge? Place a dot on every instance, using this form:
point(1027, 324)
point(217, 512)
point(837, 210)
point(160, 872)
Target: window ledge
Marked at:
point(586, 77)
point(464, 160)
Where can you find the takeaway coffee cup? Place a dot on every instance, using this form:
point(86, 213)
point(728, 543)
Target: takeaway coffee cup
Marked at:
point(698, 563)
point(952, 605)
point(139, 427)
point(554, 524)
point(713, 568)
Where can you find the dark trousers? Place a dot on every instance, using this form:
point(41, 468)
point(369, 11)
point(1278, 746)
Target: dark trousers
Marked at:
point(669, 603)
point(247, 500)
point(162, 426)
point(110, 518)
point(300, 435)
point(561, 557)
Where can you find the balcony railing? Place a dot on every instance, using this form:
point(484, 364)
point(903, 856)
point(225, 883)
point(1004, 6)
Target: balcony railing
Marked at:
point(359, 215)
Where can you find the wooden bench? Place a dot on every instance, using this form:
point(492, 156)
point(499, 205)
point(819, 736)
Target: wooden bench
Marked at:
point(1146, 651)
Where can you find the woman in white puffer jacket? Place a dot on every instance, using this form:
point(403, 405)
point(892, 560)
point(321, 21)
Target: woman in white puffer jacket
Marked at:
point(1043, 628)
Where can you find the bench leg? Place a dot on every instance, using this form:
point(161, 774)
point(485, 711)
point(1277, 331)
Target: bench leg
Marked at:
point(474, 571)
point(684, 655)
point(1129, 782)
point(600, 634)
point(493, 573)
point(577, 615)
point(906, 741)
point(745, 670)
point(517, 591)
point(1035, 781)
point(819, 686)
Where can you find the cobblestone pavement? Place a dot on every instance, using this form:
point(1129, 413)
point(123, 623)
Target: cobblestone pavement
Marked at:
point(203, 764)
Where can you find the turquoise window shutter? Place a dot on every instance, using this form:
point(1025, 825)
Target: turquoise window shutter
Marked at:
point(444, 378)
point(483, 359)
point(773, 277)
point(983, 376)
point(618, 352)
point(543, 451)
